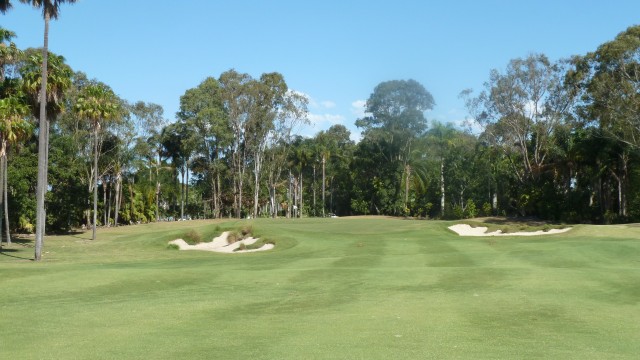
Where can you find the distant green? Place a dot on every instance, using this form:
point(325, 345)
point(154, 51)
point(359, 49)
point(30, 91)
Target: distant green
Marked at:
point(344, 288)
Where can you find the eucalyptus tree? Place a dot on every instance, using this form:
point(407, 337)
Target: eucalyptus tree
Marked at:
point(521, 109)
point(202, 110)
point(97, 103)
point(610, 82)
point(273, 112)
point(291, 112)
point(236, 102)
point(122, 155)
point(149, 121)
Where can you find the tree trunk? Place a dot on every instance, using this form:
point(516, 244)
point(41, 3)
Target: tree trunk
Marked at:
point(406, 187)
point(2, 197)
point(494, 202)
point(186, 185)
point(239, 211)
point(256, 186)
point(442, 196)
point(6, 199)
point(315, 213)
point(289, 197)
point(214, 194)
point(95, 179)
point(218, 199)
point(157, 200)
point(158, 187)
point(301, 199)
point(42, 147)
point(117, 199)
point(182, 195)
point(323, 183)
point(133, 204)
point(104, 203)
point(110, 202)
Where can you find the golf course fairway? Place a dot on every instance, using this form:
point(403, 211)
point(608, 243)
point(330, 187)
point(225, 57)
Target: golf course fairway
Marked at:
point(343, 288)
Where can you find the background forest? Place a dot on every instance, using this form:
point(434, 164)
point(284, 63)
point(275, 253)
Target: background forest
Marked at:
point(556, 140)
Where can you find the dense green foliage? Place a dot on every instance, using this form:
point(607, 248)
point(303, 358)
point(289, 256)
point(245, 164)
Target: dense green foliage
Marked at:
point(331, 289)
point(554, 140)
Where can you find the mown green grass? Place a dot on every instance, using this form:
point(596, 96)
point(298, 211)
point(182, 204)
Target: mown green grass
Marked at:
point(332, 289)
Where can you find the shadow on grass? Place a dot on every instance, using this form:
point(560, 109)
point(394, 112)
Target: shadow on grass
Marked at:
point(25, 241)
point(5, 252)
point(77, 236)
point(529, 221)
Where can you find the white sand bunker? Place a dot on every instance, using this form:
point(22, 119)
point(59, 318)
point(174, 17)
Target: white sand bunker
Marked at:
point(220, 244)
point(468, 230)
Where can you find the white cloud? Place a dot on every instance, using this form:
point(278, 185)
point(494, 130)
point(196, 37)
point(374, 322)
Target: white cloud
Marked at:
point(315, 104)
point(358, 108)
point(328, 104)
point(319, 119)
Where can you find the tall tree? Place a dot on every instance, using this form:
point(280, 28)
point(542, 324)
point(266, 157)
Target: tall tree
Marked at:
point(202, 110)
point(236, 102)
point(96, 103)
point(396, 118)
point(273, 113)
point(50, 10)
point(610, 82)
point(13, 127)
point(56, 81)
point(149, 121)
point(521, 109)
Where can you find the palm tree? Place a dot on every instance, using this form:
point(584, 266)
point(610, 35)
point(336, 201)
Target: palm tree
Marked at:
point(4, 6)
point(50, 10)
point(13, 126)
point(9, 53)
point(96, 103)
point(57, 81)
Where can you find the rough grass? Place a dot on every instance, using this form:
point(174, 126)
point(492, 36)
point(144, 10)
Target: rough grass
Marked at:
point(331, 289)
point(511, 225)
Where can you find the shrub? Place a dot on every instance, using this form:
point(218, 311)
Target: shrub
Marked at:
point(25, 225)
point(486, 209)
point(173, 247)
point(471, 210)
point(246, 231)
point(192, 237)
point(233, 237)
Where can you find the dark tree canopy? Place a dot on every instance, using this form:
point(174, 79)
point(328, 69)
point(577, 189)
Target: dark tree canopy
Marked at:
point(398, 105)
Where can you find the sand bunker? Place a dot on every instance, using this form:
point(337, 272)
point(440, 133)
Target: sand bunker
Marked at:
point(468, 230)
point(220, 244)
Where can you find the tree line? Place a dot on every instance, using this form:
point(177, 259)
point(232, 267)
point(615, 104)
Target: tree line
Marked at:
point(556, 140)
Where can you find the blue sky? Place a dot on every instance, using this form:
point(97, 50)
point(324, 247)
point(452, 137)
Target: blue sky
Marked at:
point(336, 52)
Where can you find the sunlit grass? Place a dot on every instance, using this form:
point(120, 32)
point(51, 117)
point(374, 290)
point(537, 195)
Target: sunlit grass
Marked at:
point(332, 288)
